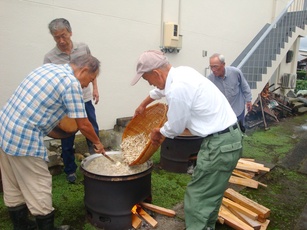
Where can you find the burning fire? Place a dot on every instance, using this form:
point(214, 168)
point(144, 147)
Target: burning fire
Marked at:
point(134, 209)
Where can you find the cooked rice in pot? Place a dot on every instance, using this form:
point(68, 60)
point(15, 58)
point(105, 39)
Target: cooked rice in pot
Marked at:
point(102, 166)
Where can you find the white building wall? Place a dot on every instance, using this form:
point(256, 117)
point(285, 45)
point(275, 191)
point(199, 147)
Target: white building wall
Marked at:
point(118, 31)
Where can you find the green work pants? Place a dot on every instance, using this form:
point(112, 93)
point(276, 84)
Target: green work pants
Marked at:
point(216, 159)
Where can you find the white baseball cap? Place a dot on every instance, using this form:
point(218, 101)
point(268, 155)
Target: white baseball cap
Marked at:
point(148, 61)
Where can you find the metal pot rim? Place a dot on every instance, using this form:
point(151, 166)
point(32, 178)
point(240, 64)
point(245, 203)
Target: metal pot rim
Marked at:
point(88, 159)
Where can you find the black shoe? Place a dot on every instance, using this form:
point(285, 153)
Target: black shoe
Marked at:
point(71, 178)
point(47, 223)
point(20, 218)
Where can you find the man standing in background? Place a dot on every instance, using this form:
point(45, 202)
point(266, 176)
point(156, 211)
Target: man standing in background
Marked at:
point(64, 51)
point(233, 85)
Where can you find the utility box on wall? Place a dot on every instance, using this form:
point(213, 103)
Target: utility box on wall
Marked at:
point(289, 56)
point(171, 37)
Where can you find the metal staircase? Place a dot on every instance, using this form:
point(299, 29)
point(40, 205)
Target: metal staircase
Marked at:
point(262, 57)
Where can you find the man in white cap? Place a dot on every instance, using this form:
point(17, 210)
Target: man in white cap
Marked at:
point(195, 103)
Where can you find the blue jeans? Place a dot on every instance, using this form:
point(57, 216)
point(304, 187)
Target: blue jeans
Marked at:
point(68, 152)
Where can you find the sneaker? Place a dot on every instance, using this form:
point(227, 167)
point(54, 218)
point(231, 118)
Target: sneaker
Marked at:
point(63, 227)
point(190, 170)
point(71, 178)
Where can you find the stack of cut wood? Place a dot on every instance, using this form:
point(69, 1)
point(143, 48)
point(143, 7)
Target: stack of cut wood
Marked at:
point(245, 170)
point(138, 213)
point(238, 211)
point(241, 213)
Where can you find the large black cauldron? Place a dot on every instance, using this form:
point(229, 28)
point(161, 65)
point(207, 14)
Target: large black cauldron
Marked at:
point(109, 199)
point(176, 154)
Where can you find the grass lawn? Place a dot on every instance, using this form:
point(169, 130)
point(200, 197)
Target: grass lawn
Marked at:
point(168, 188)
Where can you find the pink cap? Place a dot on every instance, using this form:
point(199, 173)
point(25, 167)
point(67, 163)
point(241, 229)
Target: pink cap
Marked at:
point(148, 61)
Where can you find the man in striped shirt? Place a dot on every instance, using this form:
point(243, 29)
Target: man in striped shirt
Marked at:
point(42, 99)
point(62, 53)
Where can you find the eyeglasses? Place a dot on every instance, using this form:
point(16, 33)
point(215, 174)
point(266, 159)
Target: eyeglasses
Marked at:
point(214, 66)
point(62, 36)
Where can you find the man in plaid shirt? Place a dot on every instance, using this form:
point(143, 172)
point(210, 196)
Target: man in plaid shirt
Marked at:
point(44, 97)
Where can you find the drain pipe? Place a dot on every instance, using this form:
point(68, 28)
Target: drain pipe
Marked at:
point(162, 25)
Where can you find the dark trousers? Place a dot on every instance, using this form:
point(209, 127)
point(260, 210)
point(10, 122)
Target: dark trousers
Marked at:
point(241, 121)
point(241, 117)
point(68, 152)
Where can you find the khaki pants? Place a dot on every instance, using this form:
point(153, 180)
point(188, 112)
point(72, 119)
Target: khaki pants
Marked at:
point(26, 180)
point(216, 159)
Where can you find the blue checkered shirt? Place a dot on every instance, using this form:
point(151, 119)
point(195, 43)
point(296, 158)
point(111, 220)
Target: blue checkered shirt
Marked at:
point(40, 101)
